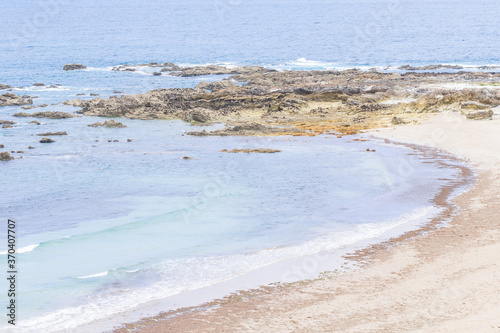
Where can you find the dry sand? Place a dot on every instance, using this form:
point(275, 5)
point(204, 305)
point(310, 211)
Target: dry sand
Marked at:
point(447, 280)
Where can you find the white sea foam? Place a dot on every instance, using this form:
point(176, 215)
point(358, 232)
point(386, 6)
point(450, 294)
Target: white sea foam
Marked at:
point(25, 249)
point(40, 89)
point(201, 272)
point(93, 275)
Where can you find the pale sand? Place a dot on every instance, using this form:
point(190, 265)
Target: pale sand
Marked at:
point(447, 280)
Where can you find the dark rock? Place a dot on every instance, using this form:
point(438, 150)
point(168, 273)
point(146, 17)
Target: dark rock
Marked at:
point(73, 67)
point(46, 140)
point(35, 122)
point(129, 140)
point(108, 123)
point(156, 74)
point(31, 147)
point(6, 126)
point(52, 133)
point(93, 94)
point(38, 85)
point(117, 92)
point(187, 158)
point(2, 146)
point(80, 94)
point(5, 156)
point(4, 86)
point(20, 152)
point(6, 122)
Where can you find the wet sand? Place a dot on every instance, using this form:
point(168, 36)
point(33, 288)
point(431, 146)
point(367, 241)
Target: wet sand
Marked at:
point(442, 280)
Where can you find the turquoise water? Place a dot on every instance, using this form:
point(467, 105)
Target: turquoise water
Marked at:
point(107, 226)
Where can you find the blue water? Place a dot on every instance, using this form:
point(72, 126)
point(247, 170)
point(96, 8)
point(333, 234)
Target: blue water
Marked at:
point(106, 226)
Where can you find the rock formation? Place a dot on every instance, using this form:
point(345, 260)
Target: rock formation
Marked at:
point(9, 99)
point(5, 156)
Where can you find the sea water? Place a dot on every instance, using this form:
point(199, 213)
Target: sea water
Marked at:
point(103, 227)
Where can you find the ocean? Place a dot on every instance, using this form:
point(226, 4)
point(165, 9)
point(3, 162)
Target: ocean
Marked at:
point(104, 228)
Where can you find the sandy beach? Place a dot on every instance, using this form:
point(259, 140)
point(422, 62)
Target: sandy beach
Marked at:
point(446, 280)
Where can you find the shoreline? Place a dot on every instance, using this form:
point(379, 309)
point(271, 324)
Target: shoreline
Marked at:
point(220, 315)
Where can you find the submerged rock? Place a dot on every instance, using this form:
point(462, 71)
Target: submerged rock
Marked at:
point(108, 123)
point(5, 156)
point(6, 126)
point(247, 130)
point(52, 133)
point(257, 150)
point(47, 114)
point(73, 67)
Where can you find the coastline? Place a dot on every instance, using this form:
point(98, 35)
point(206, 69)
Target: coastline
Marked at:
point(418, 284)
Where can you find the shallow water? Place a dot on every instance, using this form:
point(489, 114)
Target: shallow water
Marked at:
point(105, 226)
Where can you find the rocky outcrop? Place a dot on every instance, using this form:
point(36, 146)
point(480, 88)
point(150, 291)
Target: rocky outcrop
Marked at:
point(7, 126)
point(4, 86)
point(46, 114)
point(9, 99)
point(6, 122)
point(108, 123)
point(52, 133)
point(257, 150)
point(302, 102)
point(73, 67)
point(46, 140)
point(5, 156)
